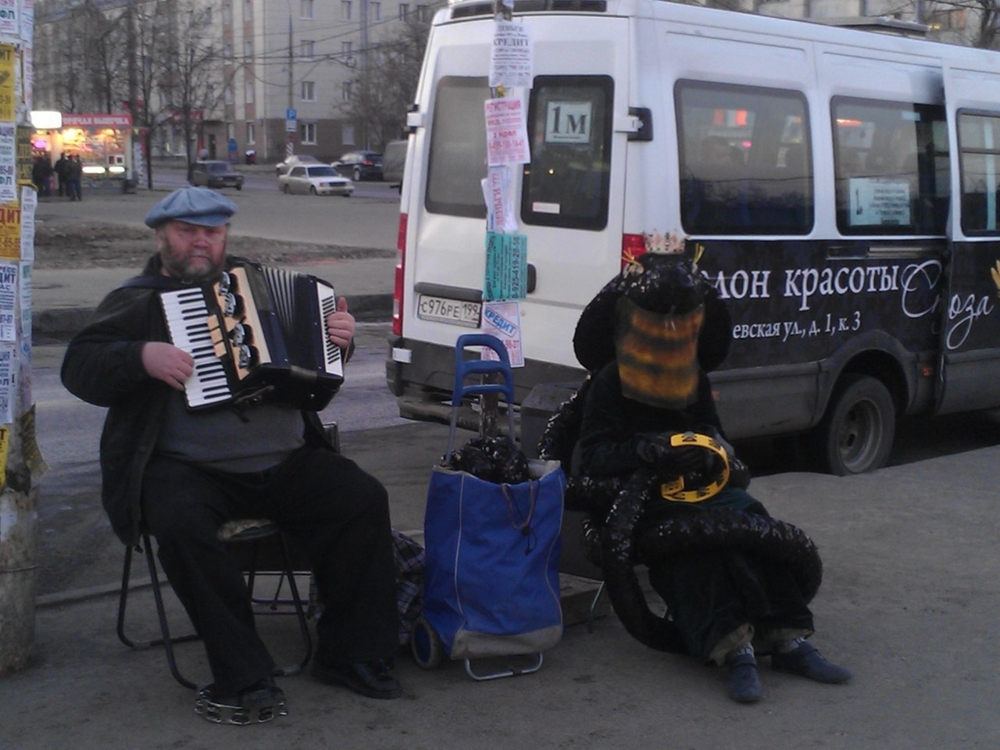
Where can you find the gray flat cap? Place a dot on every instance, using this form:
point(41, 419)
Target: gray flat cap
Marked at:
point(194, 205)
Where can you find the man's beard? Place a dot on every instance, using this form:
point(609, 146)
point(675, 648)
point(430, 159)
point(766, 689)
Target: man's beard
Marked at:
point(181, 268)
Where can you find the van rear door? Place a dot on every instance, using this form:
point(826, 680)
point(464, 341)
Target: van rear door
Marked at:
point(970, 342)
point(568, 200)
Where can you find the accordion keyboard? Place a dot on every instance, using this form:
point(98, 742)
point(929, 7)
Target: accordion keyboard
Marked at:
point(331, 352)
point(186, 313)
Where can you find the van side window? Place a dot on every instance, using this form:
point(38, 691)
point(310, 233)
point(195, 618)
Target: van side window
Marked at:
point(745, 159)
point(979, 146)
point(569, 127)
point(890, 167)
point(457, 162)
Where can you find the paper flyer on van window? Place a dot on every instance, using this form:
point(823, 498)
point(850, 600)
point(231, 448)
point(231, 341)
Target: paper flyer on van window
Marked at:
point(506, 132)
point(8, 361)
point(511, 60)
point(500, 214)
point(503, 320)
point(506, 267)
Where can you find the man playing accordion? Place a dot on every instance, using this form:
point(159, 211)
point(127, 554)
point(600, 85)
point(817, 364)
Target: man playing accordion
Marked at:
point(182, 473)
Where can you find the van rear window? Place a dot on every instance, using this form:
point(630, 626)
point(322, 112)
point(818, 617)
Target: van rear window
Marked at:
point(745, 159)
point(569, 127)
point(457, 163)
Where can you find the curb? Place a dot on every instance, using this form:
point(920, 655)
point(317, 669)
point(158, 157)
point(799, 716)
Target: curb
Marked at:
point(61, 324)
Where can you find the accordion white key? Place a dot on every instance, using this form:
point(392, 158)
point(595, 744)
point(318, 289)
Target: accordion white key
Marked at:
point(258, 330)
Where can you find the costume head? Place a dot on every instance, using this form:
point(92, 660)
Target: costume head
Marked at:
point(192, 205)
point(661, 320)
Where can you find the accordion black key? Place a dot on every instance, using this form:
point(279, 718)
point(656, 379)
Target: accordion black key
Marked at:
point(258, 330)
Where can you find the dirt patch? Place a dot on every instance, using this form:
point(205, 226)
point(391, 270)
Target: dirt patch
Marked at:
point(101, 245)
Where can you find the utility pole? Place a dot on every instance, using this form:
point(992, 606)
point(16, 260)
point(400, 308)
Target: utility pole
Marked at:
point(290, 135)
point(133, 79)
point(19, 456)
point(365, 78)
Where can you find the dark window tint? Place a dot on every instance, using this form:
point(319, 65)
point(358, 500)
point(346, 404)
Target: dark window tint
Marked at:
point(890, 166)
point(745, 160)
point(457, 163)
point(979, 145)
point(569, 128)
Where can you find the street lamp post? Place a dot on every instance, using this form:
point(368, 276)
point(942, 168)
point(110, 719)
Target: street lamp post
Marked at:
point(289, 134)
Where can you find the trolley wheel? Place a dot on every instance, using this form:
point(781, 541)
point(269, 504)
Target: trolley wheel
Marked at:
point(428, 651)
point(857, 431)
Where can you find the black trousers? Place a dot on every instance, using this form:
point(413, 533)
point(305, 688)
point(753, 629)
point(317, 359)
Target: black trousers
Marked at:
point(710, 594)
point(337, 514)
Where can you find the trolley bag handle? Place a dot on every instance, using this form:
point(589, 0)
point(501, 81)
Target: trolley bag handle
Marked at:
point(464, 368)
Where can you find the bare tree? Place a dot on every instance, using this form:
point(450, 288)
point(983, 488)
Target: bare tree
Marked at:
point(177, 70)
point(104, 55)
point(383, 90)
point(971, 22)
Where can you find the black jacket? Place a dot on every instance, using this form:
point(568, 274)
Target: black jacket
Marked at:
point(103, 366)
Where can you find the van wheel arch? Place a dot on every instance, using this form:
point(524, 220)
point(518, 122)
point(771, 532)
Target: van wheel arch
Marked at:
point(857, 430)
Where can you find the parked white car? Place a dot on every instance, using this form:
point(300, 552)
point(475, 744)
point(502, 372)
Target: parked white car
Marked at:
point(282, 167)
point(318, 179)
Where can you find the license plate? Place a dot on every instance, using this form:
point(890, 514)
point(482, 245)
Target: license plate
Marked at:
point(454, 311)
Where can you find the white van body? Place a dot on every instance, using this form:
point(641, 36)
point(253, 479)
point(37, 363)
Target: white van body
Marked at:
point(859, 289)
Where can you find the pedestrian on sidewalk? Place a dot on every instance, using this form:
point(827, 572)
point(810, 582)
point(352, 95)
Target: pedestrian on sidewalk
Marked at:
point(74, 177)
point(61, 169)
point(183, 473)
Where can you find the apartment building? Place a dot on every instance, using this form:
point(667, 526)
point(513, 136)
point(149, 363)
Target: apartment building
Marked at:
point(269, 76)
point(244, 75)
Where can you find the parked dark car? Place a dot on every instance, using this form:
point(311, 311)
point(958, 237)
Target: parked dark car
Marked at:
point(215, 174)
point(360, 165)
point(393, 162)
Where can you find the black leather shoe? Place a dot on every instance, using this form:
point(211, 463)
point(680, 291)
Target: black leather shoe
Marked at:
point(370, 678)
point(806, 661)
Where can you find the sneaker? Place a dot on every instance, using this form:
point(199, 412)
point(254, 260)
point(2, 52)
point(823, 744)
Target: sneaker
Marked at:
point(806, 661)
point(744, 680)
point(369, 678)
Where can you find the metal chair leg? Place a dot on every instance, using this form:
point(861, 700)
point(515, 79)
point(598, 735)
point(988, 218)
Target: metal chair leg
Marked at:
point(165, 639)
point(168, 641)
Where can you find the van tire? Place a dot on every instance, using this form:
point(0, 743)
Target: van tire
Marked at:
point(857, 431)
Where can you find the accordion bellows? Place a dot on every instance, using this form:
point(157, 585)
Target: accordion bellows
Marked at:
point(657, 355)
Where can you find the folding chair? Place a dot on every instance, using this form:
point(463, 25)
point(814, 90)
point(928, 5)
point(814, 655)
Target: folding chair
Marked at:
point(252, 532)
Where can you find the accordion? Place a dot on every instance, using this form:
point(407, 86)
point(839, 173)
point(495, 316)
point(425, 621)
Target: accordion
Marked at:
point(257, 330)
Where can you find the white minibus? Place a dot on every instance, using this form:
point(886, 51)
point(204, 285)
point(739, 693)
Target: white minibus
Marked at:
point(842, 187)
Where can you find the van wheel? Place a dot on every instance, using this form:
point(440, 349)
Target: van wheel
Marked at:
point(857, 431)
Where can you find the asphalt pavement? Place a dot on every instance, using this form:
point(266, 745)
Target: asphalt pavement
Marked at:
point(909, 602)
